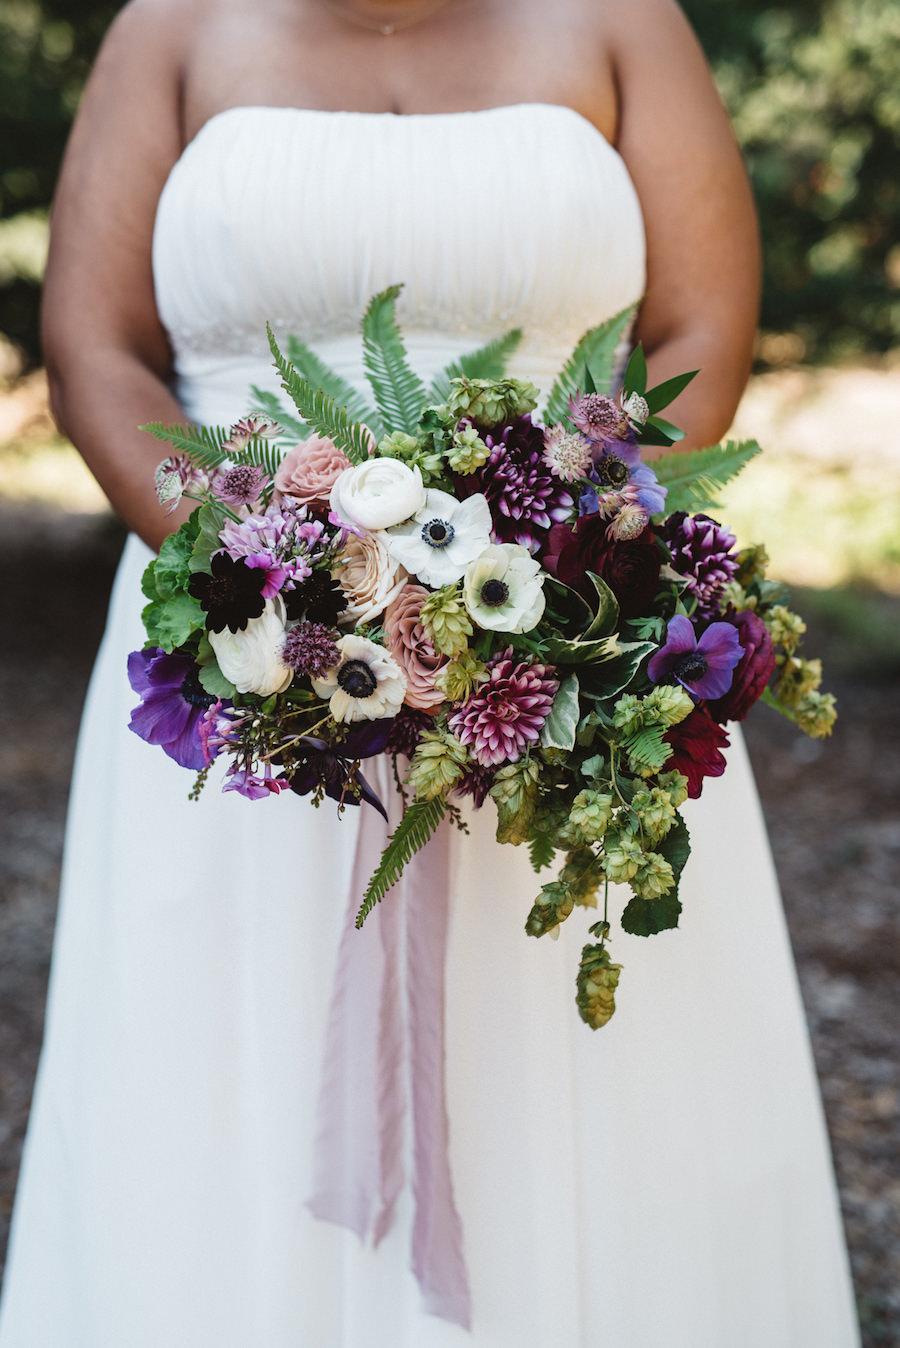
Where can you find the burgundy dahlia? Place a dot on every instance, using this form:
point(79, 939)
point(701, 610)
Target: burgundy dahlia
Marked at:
point(310, 648)
point(702, 551)
point(697, 744)
point(630, 567)
point(756, 667)
point(507, 712)
point(525, 497)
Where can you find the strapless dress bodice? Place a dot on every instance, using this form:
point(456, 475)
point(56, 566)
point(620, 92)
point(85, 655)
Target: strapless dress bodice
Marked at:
point(521, 216)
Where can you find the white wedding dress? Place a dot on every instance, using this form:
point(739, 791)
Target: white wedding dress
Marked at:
point(665, 1181)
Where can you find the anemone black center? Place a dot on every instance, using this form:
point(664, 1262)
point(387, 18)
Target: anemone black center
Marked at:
point(690, 667)
point(192, 691)
point(612, 471)
point(494, 592)
point(437, 533)
point(357, 679)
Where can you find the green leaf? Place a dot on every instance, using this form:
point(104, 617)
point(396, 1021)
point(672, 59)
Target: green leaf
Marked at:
point(169, 623)
point(320, 410)
point(613, 678)
point(595, 352)
point(202, 444)
point(419, 822)
point(558, 731)
point(676, 846)
point(694, 477)
point(562, 652)
point(210, 521)
point(399, 392)
point(662, 394)
point(634, 379)
point(656, 431)
point(268, 405)
point(488, 362)
point(607, 616)
point(215, 682)
point(567, 606)
point(646, 917)
point(316, 372)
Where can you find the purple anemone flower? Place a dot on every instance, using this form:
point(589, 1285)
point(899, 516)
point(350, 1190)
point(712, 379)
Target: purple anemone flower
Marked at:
point(705, 667)
point(172, 706)
point(330, 765)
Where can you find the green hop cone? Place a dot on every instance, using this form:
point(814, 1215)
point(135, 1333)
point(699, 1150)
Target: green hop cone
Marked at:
point(590, 813)
point(460, 677)
point(467, 451)
point(583, 875)
point(596, 986)
point(491, 402)
point(735, 595)
point(653, 877)
point(816, 714)
point(514, 792)
point(796, 679)
point(666, 705)
point(446, 622)
point(552, 906)
point(628, 715)
point(414, 453)
point(676, 784)
point(655, 809)
point(785, 628)
point(622, 857)
point(752, 563)
point(436, 765)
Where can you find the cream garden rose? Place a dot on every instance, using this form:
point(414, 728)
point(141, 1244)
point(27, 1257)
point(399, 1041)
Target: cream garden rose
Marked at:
point(250, 659)
point(377, 494)
point(369, 576)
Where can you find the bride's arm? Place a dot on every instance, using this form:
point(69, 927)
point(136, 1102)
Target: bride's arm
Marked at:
point(702, 292)
point(107, 355)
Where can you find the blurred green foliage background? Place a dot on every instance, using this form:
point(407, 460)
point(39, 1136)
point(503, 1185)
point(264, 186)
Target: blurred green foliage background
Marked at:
point(813, 87)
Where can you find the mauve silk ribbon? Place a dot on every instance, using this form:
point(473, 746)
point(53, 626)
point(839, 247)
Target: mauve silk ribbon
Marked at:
point(384, 1052)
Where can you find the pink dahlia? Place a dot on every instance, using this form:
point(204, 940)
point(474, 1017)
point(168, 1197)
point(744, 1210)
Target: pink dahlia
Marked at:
point(507, 712)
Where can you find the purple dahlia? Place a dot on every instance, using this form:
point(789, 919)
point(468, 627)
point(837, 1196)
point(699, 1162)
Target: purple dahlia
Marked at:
point(507, 712)
point(524, 495)
point(705, 667)
point(173, 703)
point(702, 551)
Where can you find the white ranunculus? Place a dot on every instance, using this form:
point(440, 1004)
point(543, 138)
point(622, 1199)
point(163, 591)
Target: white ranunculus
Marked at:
point(250, 659)
point(503, 589)
point(365, 685)
point(377, 494)
point(443, 537)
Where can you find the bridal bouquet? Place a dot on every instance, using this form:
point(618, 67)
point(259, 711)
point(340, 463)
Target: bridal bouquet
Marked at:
point(517, 611)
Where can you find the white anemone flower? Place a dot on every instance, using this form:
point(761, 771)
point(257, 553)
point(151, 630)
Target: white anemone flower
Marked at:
point(366, 683)
point(442, 538)
point(504, 589)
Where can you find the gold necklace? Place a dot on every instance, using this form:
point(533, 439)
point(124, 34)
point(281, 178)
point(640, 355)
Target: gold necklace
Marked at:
point(377, 25)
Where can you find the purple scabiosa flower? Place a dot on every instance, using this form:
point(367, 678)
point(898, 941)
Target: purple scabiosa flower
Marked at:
point(406, 730)
point(310, 648)
point(525, 497)
point(506, 713)
point(566, 453)
point(173, 703)
point(241, 485)
point(599, 417)
point(476, 781)
point(702, 550)
point(705, 667)
point(250, 784)
point(231, 595)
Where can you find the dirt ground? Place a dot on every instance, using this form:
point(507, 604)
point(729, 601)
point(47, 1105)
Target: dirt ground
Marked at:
point(833, 810)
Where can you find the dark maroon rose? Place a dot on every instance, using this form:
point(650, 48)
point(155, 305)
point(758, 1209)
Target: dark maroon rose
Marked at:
point(697, 744)
point(756, 667)
point(630, 568)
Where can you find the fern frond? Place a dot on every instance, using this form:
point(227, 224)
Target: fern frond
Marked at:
point(202, 444)
point(271, 407)
point(399, 392)
point(309, 366)
point(266, 454)
point(487, 362)
point(694, 477)
point(321, 410)
point(419, 822)
point(541, 850)
point(647, 748)
point(595, 352)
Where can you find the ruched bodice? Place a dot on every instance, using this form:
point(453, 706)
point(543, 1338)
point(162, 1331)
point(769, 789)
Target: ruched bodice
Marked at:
point(521, 216)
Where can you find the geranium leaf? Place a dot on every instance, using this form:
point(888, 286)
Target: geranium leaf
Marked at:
point(214, 681)
point(676, 846)
point(170, 623)
point(645, 917)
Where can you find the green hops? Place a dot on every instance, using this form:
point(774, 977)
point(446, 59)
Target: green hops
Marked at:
point(444, 617)
point(596, 986)
point(553, 905)
point(491, 402)
point(590, 814)
point(436, 765)
point(467, 451)
point(458, 679)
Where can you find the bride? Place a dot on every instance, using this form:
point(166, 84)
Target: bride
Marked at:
point(208, 1115)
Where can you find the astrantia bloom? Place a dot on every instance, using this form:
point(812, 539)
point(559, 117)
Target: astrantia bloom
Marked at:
point(231, 595)
point(249, 428)
point(503, 589)
point(566, 453)
point(173, 477)
point(704, 552)
point(705, 667)
point(442, 538)
point(507, 711)
point(241, 485)
point(525, 497)
point(365, 685)
point(598, 417)
point(172, 706)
